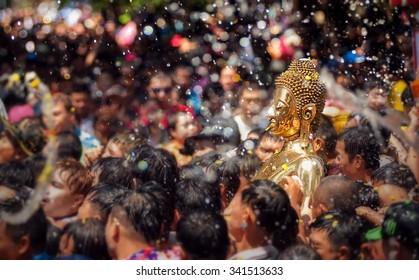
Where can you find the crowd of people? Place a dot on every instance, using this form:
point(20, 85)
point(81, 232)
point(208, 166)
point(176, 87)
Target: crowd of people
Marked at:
point(140, 137)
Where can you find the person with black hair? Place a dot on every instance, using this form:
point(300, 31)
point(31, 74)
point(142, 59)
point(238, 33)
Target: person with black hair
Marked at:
point(394, 173)
point(299, 252)
point(203, 235)
point(166, 207)
point(84, 237)
point(262, 216)
point(251, 99)
point(123, 142)
point(133, 227)
point(268, 145)
point(358, 154)
point(393, 183)
point(324, 144)
point(337, 235)
point(100, 200)
point(36, 163)
point(400, 231)
point(192, 194)
point(226, 169)
point(18, 173)
point(69, 146)
point(24, 240)
point(113, 170)
point(152, 164)
point(83, 104)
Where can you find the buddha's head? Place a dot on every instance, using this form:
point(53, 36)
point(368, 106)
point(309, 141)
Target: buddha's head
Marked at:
point(298, 101)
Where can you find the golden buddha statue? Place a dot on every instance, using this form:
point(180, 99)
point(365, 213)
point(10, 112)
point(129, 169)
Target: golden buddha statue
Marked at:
point(299, 99)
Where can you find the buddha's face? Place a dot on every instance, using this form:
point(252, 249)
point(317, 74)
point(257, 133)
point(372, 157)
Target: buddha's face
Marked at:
point(283, 115)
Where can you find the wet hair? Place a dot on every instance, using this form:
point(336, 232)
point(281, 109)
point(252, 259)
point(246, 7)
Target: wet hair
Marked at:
point(53, 240)
point(299, 252)
point(401, 221)
point(69, 146)
point(259, 131)
point(89, 238)
point(80, 88)
point(247, 147)
point(175, 112)
point(193, 194)
point(249, 87)
point(273, 211)
point(78, 178)
point(397, 174)
point(36, 163)
point(249, 165)
point(368, 196)
point(361, 141)
point(227, 169)
point(128, 140)
point(102, 197)
point(35, 227)
point(157, 165)
point(113, 170)
point(17, 173)
point(203, 235)
point(327, 132)
point(165, 204)
point(343, 229)
point(65, 100)
point(141, 211)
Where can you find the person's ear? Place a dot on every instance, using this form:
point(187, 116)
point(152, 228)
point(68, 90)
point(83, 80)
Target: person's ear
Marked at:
point(78, 201)
point(344, 253)
point(24, 246)
point(176, 219)
point(116, 232)
point(393, 249)
point(366, 251)
point(358, 161)
point(318, 144)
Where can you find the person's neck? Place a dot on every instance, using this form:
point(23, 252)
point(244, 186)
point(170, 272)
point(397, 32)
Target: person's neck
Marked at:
point(127, 247)
point(248, 243)
point(246, 118)
point(364, 177)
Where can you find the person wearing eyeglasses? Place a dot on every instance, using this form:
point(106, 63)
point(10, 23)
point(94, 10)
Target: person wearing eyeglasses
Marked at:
point(250, 105)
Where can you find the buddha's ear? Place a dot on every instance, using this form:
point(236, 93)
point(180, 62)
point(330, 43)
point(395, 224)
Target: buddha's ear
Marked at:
point(308, 112)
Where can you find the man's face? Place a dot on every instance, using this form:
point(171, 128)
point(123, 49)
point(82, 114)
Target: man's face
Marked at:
point(8, 248)
point(233, 215)
point(250, 102)
point(281, 114)
point(7, 149)
point(267, 147)
point(227, 78)
point(161, 90)
point(59, 202)
point(62, 119)
point(81, 101)
point(319, 241)
point(377, 98)
point(347, 167)
point(185, 127)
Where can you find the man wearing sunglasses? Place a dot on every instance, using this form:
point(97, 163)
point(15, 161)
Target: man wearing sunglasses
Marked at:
point(161, 90)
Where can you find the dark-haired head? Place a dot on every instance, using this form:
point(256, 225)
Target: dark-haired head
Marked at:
point(203, 235)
